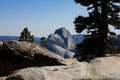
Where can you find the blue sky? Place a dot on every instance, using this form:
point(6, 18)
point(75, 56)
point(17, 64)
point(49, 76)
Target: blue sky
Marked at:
point(42, 17)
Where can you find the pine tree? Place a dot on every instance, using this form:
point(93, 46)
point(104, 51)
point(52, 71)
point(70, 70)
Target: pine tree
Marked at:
point(43, 42)
point(26, 36)
point(102, 13)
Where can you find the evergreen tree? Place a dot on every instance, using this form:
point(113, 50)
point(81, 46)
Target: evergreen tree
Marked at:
point(102, 13)
point(26, 36)
point(43, 42)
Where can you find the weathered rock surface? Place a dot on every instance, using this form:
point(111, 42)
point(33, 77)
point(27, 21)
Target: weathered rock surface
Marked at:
point(74, 72)
point(2, 78)
point(16, 55)
point(106, 68)
point(1, 43)
point(61, 43)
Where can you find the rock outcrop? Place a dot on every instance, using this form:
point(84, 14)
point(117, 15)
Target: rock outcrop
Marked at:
point(61, 43)
point(75, 72)
point(16, 55)
point(2, 78)
point(106, 68)
point(67, 37)
point(1, 43)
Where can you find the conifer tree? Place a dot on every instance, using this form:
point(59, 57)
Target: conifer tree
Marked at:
point(43, 42)
point(26, 36)
point(102, 13)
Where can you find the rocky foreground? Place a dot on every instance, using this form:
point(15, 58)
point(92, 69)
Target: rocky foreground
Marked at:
point(104, 68)
point(107, 68)
point(16, 55)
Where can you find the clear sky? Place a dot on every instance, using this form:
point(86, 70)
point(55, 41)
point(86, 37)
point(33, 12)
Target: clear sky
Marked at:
point(42, 17)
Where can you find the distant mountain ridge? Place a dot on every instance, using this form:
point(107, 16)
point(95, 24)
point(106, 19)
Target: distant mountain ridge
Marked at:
point(60, 42)
point(78, 38)
point(8, 38)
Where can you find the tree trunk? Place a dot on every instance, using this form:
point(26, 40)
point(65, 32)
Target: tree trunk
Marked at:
point(103, 29)
point(99, 26)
